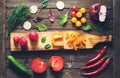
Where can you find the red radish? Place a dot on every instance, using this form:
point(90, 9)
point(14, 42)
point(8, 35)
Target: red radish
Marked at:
point(57, 63)
point(94, 10)
point(33, 36)
point(16, 39)
point(75, 8)
point(38, 66)
point(23, 42)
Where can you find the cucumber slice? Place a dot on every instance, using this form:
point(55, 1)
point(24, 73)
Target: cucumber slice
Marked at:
point(33, 9)
point(60, 5)
point(27, 25)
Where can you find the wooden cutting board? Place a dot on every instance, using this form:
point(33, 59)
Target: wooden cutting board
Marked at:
point(89, 40)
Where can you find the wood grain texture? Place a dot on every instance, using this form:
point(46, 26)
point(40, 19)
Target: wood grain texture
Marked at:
point(2, 40)
point(90, 40)
point(116, 39)
point(73, 60)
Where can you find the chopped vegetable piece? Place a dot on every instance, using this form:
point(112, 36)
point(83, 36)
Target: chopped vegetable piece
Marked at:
point(42, 27)
point(86, 27)
point(18, 16)
point(47, 46)
point(102, 13)
point(57, 39)
point(27, 25)
point(33, 9)
point(60, 5)
point(57, 63)
point(16, 64)
point(51, 16)
point(38, 65)
point(75, 40)
point(43, 39)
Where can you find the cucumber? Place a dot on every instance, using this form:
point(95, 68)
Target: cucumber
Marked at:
point(18, 65)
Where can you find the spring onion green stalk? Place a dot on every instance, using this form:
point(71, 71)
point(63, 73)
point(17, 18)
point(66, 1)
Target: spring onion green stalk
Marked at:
point(18, 16)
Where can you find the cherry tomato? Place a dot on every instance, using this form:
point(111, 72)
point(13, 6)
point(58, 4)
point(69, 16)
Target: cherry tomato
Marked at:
point(38, 66)
point(57, 63)
point(73, 14)
point(75, 8)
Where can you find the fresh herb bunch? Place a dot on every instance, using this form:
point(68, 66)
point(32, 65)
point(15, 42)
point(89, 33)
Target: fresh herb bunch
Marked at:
point(17, 17)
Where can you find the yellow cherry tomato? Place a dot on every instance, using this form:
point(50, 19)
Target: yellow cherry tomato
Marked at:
point(78, 24)
point(73, 19)
point(83, 10)
point(78, 14)
point(83, 20)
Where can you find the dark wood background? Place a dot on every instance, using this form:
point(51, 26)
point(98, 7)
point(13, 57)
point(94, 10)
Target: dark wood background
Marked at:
point(73, 60)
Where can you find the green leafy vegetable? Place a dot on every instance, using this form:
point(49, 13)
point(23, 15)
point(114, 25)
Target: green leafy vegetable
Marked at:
point(86, 27)
point(64, 18)
point(43, 39)
point(18, 16)
point(44, 4)
point(47, 46)
point(42, 27)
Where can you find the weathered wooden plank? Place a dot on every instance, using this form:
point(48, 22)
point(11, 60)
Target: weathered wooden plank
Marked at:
point(65, 73)
point(2, 40)
point(107, 26)
point(116, 61)
point(110, 32)
point(52, 3)
point(45, 12)
point(76, 58)
point(72, 59)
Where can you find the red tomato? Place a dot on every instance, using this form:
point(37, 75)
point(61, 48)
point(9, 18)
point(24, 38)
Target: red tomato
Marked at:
point(73, 14)
point(38, 66)
point(57, 63)
point(75, 8)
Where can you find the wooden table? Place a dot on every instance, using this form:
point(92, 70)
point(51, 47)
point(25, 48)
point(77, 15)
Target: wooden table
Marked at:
point(73, 60)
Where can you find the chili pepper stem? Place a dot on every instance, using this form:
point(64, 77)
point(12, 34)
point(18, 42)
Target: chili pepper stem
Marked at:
point(40, 10)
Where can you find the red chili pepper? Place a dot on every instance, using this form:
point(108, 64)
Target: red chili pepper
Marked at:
point(98, 70)
point(102, 51)
point(94, 65)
